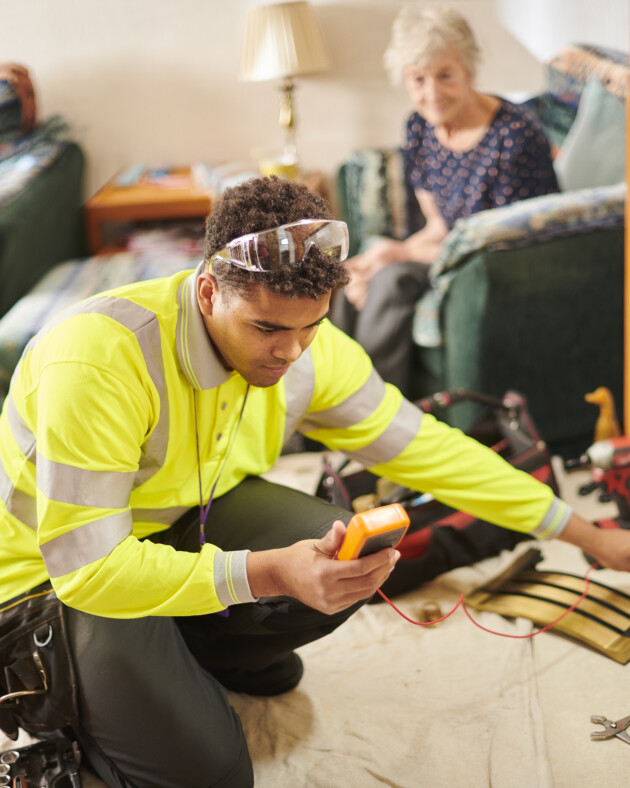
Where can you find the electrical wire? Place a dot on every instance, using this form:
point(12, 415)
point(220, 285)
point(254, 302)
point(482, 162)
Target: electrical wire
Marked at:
point(462, 604)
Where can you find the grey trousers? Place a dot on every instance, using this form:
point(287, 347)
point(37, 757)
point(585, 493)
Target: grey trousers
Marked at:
point(151, 713)
point(383, 327)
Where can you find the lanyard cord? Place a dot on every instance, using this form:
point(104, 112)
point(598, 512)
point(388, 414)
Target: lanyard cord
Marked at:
point(203, 510)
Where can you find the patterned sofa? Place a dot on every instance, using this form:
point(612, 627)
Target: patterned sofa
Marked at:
point(529, 296)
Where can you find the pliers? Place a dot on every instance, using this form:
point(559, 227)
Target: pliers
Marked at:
point(611, 728)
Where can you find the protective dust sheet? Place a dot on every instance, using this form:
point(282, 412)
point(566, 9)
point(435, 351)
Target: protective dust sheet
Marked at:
point(383, 702)
point(386, 703)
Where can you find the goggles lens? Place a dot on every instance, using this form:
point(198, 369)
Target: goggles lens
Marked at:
point(286, 245)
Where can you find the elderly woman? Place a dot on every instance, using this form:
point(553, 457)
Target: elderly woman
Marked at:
point(465, 151)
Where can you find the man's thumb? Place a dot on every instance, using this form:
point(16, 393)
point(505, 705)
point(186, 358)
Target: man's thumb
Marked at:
point(331, 542)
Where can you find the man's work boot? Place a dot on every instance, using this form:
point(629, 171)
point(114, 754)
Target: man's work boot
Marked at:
point(275, 679)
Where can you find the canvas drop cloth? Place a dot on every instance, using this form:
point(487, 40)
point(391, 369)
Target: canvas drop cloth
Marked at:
point(386, 703)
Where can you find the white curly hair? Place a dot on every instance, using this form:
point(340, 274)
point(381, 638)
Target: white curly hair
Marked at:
point(421, 33)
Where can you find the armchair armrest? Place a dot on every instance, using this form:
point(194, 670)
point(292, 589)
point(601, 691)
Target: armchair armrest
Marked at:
point(520, 224)
point(538, 311)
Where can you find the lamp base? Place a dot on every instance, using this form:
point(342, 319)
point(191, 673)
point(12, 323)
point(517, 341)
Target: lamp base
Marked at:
point(283, 166)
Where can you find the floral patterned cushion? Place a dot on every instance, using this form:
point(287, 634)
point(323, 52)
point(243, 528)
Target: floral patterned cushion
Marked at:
point(375, 197)
point(570, 69)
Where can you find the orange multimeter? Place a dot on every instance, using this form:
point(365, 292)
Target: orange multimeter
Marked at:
point(373, 530)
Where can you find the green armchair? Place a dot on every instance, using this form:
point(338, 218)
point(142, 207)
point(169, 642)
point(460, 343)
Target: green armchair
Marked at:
point(526, 297)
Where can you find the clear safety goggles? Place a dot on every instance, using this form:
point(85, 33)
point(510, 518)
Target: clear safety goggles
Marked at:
point(286, 245)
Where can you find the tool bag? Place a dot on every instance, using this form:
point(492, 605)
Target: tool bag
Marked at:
point(38, 690)
point(440, 538)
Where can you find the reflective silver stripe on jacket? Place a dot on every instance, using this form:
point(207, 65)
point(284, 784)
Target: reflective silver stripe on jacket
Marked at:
point(146, 329)
point(402, 429)
point(85, 544)
point(299, 387)
point(101, 489)
point(21, 433)
point(19, 503)
point(353, 410)
point(83, 487)
point(554, 522)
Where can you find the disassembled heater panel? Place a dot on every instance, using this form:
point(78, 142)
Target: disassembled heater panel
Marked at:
point(602, 619)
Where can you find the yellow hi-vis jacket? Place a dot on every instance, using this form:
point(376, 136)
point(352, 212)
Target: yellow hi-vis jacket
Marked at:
point(98, 449)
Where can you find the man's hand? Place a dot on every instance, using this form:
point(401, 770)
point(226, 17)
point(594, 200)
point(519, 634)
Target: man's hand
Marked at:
point(308, 572)
point(611, 547)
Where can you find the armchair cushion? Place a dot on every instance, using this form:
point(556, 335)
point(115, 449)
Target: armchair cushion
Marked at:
point(593, 153)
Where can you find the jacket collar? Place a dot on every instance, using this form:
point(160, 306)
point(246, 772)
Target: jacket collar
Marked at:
point(197, 355)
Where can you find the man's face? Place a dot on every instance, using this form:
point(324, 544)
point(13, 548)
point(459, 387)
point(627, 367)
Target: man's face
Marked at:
point(262, 335)
point(440, 89)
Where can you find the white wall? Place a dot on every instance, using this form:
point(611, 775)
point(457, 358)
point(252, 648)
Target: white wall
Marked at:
point(543, 26)
point(157, 80)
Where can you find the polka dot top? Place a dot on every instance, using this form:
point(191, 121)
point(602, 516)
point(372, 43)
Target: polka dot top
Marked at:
point(511, 162)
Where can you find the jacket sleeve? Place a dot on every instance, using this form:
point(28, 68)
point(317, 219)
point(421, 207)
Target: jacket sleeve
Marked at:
point(371, 422)
point(91, 425)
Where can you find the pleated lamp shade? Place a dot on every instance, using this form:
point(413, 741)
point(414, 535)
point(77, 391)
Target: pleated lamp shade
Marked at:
point(282, 40)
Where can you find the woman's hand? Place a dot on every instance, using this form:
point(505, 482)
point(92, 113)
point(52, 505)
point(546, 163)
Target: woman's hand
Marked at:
point(362, 268)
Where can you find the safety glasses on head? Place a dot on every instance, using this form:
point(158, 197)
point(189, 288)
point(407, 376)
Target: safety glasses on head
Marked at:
point(286, 245)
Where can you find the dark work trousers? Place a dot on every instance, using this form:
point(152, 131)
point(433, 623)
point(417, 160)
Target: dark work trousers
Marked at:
point(384, 326)
point(151, 713)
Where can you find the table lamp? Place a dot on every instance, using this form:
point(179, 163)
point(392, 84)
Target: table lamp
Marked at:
point(283, 41)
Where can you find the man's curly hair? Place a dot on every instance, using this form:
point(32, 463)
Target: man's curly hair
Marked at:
point(262, 204)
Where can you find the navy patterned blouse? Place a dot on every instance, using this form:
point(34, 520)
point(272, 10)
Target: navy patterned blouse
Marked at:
point(511, 162)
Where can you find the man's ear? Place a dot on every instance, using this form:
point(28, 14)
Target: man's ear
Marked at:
point(207, 291)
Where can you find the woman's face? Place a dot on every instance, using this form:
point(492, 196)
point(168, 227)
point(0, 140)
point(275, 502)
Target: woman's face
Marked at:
point(441, 89)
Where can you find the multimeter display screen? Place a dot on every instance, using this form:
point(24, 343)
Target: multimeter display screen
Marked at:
point(381, 541)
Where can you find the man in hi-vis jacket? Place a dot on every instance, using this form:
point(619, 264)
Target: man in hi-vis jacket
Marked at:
point(132, 443)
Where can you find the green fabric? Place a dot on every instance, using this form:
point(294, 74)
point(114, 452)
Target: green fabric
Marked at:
point(523, 223)
point(545, 321)
point(10, 113)
point(555, 116)
point(593, 153)
point(42, 226)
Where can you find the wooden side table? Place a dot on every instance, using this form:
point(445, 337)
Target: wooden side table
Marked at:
point(173, 196)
